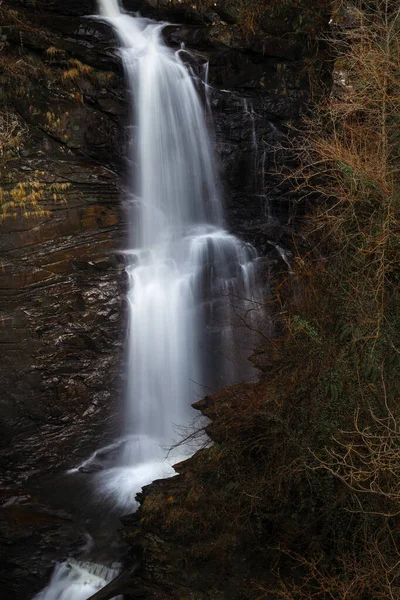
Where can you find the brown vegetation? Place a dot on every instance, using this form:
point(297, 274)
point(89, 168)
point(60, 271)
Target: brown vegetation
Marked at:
point(31, 195)
point(303, 476)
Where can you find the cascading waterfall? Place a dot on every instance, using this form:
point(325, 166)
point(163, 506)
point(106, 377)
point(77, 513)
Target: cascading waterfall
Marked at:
point(189, 279)
point(185, 271)
point(74, 580)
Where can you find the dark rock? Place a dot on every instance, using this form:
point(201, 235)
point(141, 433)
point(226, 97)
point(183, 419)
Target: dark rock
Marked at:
point(62, 282)
point(61, 289)
point(33, 536)
point(92, 468)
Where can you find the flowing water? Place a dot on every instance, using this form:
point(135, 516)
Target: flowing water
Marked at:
point(191, 282)
point(187, 275)
point(75, 580)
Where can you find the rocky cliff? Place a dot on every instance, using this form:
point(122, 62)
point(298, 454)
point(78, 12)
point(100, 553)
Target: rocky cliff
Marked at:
point(62, 280)
point(62, 283)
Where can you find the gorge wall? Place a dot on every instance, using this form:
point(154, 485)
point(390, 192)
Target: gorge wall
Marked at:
point(62, 281)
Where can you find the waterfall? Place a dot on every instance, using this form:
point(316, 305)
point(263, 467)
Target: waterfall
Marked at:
point(191, 282)
point(187, 275)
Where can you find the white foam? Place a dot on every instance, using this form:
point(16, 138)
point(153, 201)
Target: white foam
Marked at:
point(74, 580)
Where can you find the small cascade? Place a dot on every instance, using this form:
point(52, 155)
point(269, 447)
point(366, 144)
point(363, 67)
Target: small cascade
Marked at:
point(249, 111)
point(259, 159)
point(206, 71)
point(192, 284)
point(74, 580)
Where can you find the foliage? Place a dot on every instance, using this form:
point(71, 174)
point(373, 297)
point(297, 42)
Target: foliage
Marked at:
point(29, 198)
point(12, 133)
point(76, 70)
point(349, 161)
point(22, 74)
point(303, 476)
point(251, 16)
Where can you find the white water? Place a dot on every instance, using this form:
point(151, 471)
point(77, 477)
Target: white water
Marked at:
point(187, 275)
point(74, 580)
point(191, 283)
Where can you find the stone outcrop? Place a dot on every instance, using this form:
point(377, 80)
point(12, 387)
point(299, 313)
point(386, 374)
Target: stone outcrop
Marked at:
point(62, 283)
point(62, 279)
point(32, 537)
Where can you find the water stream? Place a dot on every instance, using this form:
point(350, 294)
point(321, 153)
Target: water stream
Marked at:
point(185, 270)
point(192, 284)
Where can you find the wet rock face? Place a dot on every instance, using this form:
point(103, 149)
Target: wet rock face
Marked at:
point(33, 536)
point(62, 295)
point(260, 85)
point(62, 279)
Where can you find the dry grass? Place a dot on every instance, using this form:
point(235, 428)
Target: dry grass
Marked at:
point(77, 69)
point(29, 199)
point(12, 133)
